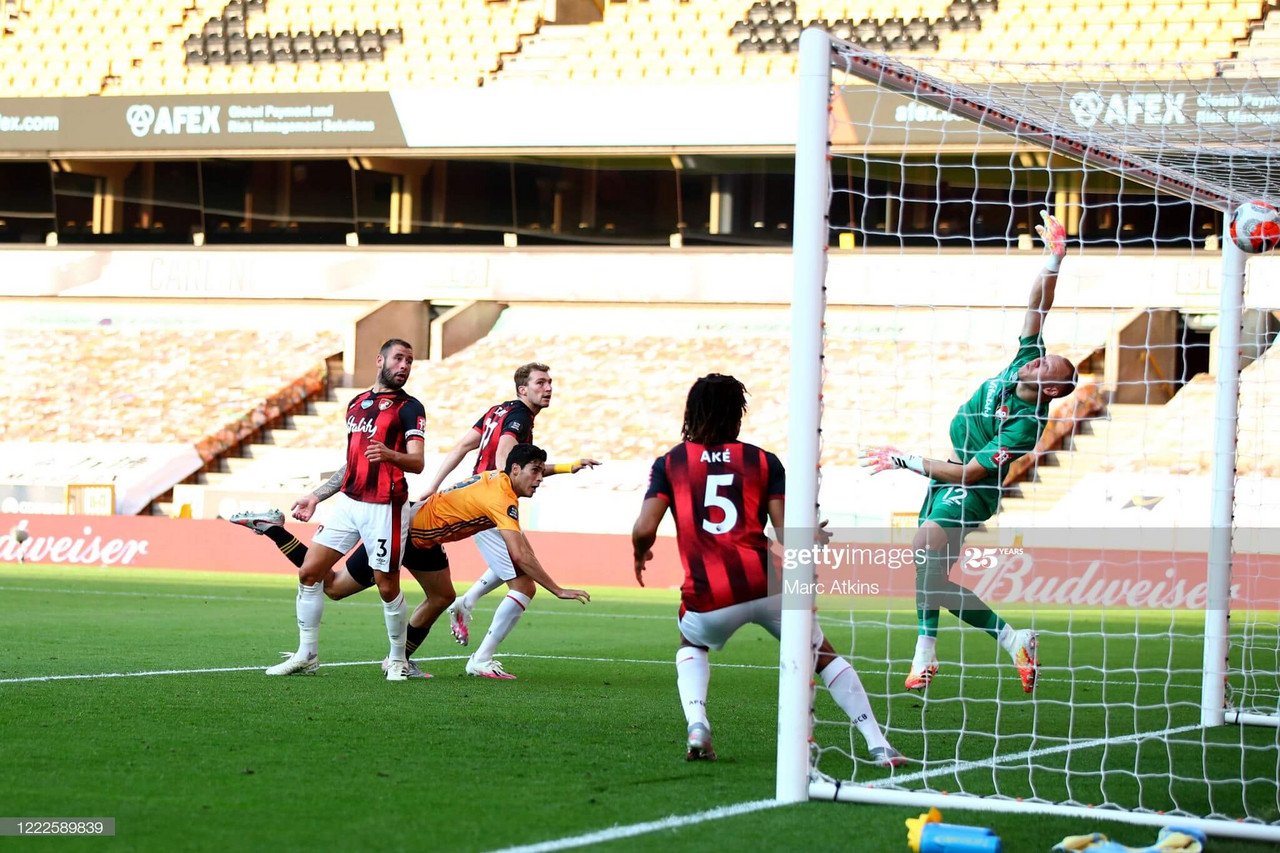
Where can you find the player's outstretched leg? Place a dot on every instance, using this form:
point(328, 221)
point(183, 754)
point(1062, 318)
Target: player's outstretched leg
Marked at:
point(924, 662)
point(846, 688)
point(504, 621)
point(1023, 647)
point(460, 620)
point(309, 607)
point(258, 522)
point(937, 548)
point(693, 676)
point(271, 525)
point(498, 569)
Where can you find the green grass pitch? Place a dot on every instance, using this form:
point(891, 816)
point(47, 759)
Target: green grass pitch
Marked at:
point(208, 754)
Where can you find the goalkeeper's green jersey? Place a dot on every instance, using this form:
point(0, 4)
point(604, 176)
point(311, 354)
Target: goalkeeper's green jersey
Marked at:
point(994, 425)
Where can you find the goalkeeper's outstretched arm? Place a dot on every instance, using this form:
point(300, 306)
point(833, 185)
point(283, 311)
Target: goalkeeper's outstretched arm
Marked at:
point(880, 459)
point(1055, 242)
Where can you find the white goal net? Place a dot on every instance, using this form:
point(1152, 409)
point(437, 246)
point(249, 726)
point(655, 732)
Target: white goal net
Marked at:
point(1140, 539)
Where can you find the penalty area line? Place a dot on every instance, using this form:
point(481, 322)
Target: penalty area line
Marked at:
point(616, 833)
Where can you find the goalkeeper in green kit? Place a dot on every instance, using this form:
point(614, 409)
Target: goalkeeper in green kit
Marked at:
point(1001, 421)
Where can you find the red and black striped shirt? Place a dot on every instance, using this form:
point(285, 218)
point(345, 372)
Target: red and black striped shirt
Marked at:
point(390, 417)
point(719, 495)
point(512, 417)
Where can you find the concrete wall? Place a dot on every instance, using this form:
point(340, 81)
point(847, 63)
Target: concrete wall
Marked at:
point(408, 320)
point(461, 326)
point(1141, 359)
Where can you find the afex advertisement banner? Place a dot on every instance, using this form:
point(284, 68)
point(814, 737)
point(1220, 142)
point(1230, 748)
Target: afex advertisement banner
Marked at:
point(363, 120)
point(1241, 113)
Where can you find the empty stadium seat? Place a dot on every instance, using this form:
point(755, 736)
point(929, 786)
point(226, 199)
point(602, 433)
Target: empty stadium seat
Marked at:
point(467, 39)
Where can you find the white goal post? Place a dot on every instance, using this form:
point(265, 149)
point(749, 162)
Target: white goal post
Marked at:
point(1220, 174)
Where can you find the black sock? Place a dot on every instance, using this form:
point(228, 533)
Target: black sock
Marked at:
point(414, 638)
point(287, 543)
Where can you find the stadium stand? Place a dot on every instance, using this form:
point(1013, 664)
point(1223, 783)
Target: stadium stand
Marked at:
point(674, 40)
point(167, 47)
point(593, 412)
point(214, 389)
point(1179, 437)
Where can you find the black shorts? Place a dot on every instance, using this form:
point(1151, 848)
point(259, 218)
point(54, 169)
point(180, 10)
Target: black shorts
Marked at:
point(416, 559)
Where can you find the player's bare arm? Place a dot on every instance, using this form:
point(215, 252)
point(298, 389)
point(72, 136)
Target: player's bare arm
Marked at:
point(881, 459)
point(645, 532)
point(1042, 292)
point(506, 441)
point(777, 512)
point(465, 445)
point(523, 558)
point(305, 506)
point(412, 460)
point(569, 467)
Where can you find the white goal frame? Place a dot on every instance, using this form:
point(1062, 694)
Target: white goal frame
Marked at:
point(818, 52)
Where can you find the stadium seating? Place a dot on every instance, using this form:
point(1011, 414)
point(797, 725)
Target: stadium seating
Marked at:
point(167, 47)
point(212, 389)
point(1177, 438)
point(623, 397)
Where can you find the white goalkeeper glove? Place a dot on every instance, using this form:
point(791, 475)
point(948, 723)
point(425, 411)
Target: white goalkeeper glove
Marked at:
point(880, 459)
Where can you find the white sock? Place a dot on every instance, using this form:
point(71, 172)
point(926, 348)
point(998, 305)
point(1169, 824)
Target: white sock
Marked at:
point(926, 651)
point(1006, 638)
point(504, 619)
point(397, 617)
point(693, 674)
point(310, 607)
point(485, 585)
point(846, 688)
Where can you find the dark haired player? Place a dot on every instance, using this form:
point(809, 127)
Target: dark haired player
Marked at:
point(494, 434)
point(1001, 421)
point(486, 501)
point(384, 440)
point(722, 492)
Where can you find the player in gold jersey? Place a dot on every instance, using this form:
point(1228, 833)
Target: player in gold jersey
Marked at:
point(483, 502)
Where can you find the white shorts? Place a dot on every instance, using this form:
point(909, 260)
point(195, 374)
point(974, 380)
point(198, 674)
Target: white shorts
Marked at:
point(382, 531)
point(713, 628)
point(496, 555)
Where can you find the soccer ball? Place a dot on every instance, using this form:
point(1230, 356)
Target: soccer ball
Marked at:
point(1255, 227)
point(19, 535)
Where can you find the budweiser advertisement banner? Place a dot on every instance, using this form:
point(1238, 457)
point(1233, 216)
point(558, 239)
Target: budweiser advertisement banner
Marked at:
point(1075, 569)
point(151, 542)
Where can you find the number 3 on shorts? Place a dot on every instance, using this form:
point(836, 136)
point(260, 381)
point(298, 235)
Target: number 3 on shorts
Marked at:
point(714, 498)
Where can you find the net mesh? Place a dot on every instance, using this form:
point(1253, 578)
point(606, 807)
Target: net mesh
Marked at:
point(1100, 541)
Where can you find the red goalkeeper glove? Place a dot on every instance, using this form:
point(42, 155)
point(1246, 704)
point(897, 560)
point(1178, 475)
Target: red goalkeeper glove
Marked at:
point(1055, 240)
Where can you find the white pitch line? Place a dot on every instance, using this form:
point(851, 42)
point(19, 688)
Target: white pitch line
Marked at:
point(616, 833)
point(965, 766)
point(268, 599)
point(89, 676)
point(132, 594)
point(863, 670)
